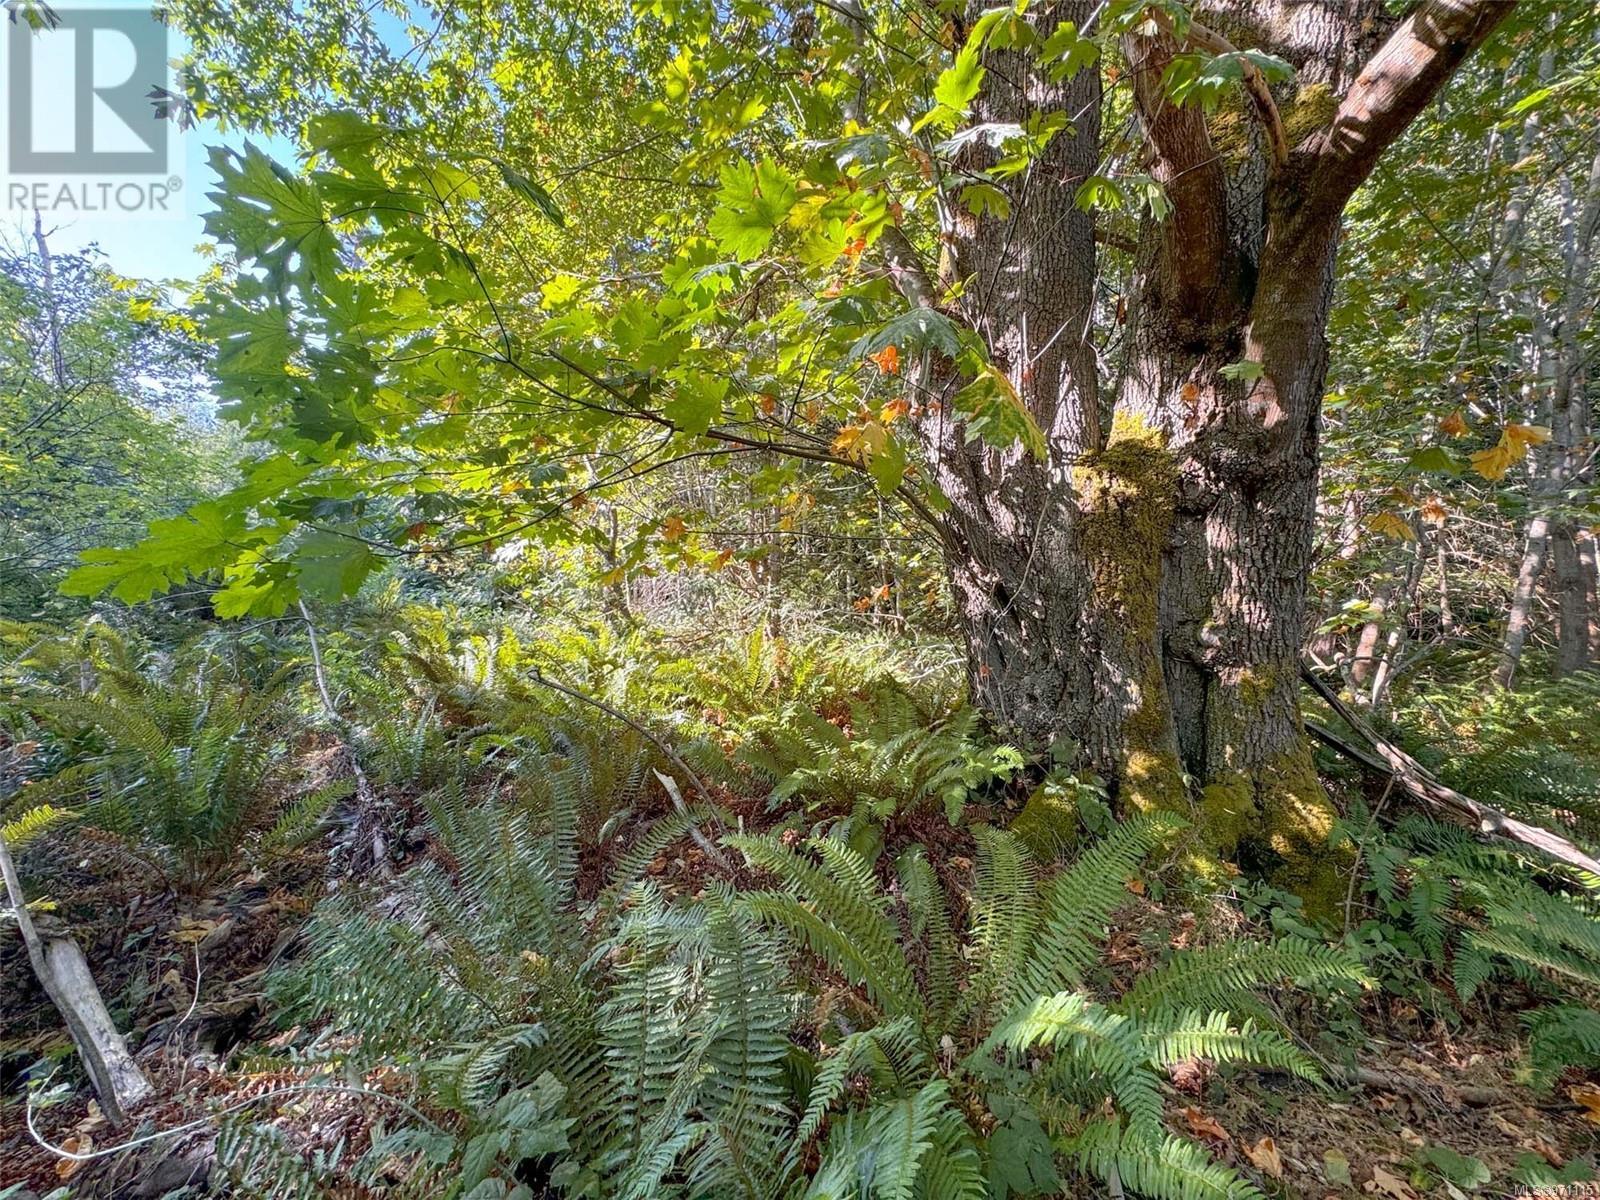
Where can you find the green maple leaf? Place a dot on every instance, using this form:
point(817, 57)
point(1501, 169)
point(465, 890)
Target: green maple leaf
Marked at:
point(206, 537)
point(330, 564)
point(752, 203)
point(959, 83)
point(696, 402)
point(274, 218)
point(888, 466)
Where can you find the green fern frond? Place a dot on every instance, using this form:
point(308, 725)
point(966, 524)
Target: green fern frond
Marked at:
point(1540, 956)
point(1213, 1036)
point(303, 819)
point(1563, 1036)
point(34, 823)
point(837, 912)
point(1165, 1168)
point(1227, 975)
point(1470, 969)
point(1107, 1044)
point(1005, 915)
point(931, 928)
point(1077, 903)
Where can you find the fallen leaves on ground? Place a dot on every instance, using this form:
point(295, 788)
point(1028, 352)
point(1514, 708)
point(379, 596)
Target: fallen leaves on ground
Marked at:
point(1205, 1126)
point(1265, 1158)
point(1383, 1183)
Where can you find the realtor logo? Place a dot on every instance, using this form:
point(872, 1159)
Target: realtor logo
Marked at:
point(85, 91)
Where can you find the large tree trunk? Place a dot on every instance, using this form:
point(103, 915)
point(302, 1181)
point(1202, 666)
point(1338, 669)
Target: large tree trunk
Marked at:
point(1138, 594)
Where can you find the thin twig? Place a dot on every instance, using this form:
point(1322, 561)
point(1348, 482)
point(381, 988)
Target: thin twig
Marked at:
point(672, 755)
point(120, 1147)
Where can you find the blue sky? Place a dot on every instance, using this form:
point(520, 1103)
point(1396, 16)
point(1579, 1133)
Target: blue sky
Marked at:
point(145, 248)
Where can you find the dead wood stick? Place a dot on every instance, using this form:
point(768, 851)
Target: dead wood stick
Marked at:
point(64, 974)
point(349, 735)
point(1380, 754)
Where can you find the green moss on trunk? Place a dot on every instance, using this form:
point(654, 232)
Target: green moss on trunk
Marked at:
point(1048, 822)
point(1275, 822)
point(1127, 494)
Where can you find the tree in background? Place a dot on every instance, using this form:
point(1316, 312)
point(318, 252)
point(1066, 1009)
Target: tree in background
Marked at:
point(104, 417)
point(1462, 394)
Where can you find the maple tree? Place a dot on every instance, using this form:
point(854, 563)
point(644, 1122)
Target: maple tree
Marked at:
point(1054, 277)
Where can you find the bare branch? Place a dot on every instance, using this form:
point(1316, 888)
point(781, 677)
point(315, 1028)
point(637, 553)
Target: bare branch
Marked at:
point(1397, 83)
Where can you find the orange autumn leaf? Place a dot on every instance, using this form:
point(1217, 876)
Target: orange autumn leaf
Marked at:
point(1392, 525)
point(767, 402)
point(1433, 511)
point(1455, 425)
point(887, 360)
point(1265, 1158)
point(1587, 1095)
point(672, 528)
point(1494, 462)
point(68, 1167)
point(1528, 435)
point(1205, 1126)
point(861, 442)
point(894, 410)
point(1511, 449)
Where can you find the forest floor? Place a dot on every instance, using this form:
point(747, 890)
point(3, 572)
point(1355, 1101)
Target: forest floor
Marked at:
point(1422, 1101)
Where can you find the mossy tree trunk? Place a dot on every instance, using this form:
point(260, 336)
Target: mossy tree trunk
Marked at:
point(1139, 591)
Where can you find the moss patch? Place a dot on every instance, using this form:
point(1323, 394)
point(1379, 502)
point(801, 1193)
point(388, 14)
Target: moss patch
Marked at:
point(1228, 812)
point(1256, 686)
point(1048, 822)
point(1152, 776)
point(1296, 821)
point(1127, 494)
point(1232, 131)
point(1312, 108)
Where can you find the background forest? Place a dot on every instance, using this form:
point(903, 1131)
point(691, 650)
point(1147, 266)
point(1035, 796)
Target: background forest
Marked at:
point(858, 599)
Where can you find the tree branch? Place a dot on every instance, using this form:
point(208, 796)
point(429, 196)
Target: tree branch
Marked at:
point(1436, 797)
point(1194, 238)
point(906, 269)
point(1254, 82)
point(1397, 83)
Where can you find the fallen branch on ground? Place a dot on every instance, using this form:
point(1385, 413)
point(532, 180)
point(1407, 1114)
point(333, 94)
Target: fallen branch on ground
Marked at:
point(1381, 755)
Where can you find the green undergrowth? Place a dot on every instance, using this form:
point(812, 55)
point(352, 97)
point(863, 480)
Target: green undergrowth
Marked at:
point(857, 948)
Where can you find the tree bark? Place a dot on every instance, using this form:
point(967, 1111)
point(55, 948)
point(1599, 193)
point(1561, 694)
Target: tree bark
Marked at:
point(1137, 594)
point(1519, 618)
point(1589, 570)
point(1572, 602)
point(117, 1080)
